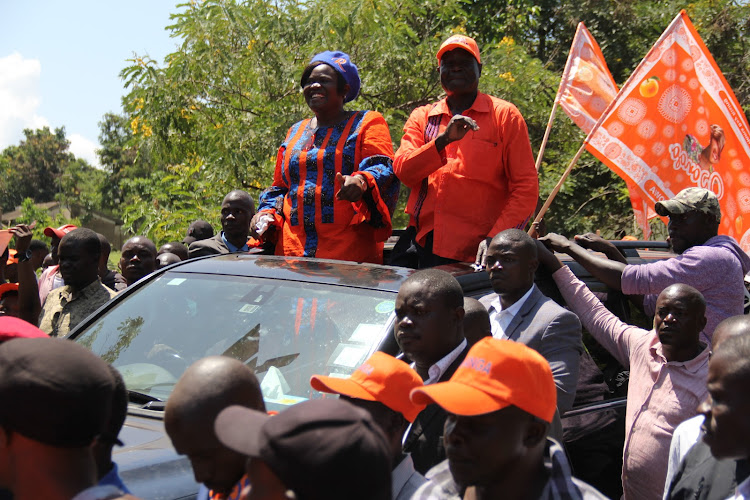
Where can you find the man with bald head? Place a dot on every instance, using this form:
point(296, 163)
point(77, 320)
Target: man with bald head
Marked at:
point(237, 211)
point(476, 321)
point(176, 248)
point(204, 390)
point(138, 259)
point(668, 367)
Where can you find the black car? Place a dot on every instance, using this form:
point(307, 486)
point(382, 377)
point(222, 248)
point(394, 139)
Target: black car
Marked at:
point(287, 319)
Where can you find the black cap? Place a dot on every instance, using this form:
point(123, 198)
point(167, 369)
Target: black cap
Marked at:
point(198, 230)
point(54, 391)
point(320, 449)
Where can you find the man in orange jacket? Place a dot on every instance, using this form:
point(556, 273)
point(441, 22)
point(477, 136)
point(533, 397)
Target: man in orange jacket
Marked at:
point(468, 162)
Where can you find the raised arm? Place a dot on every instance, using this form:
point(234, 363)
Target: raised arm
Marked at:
point(607, 271)
point(608, 330)
point(29, 305)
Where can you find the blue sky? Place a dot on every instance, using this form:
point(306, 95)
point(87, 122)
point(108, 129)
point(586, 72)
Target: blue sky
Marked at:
point(60, 62)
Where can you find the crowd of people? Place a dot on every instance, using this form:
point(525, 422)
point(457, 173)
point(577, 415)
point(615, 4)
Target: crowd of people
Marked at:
point(472, 409)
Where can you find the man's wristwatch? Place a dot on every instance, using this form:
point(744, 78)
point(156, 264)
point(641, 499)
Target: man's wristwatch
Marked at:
point(25, 257)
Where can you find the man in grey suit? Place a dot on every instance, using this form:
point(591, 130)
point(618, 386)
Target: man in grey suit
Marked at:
point(237, 210)
point(520, 312)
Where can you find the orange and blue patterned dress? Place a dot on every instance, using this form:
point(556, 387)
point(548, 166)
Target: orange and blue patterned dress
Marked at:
point(310, 221)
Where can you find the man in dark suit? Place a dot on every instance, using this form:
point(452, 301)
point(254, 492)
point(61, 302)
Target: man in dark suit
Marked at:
point(429, 330)
point(237, 211)
point(520, 312)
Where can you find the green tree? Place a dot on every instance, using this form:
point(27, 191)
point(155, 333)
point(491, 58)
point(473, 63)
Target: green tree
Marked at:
point(34, 167)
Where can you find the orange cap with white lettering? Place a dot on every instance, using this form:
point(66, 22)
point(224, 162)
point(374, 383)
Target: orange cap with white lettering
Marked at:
point(381, 378)
point(494, 375)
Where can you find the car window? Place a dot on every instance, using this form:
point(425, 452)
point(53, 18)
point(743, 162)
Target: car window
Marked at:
point(285, 331)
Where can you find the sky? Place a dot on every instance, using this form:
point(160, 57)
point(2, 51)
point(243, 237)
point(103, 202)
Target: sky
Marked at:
point(60, 63)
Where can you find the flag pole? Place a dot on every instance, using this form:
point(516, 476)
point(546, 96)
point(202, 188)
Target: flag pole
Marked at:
point(546, 133)
point(543, 210)
point(563, 83)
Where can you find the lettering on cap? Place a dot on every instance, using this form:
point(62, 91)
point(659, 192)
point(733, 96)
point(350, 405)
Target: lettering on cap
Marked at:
point(340, 61)
point(477, 364)
point(366, 368)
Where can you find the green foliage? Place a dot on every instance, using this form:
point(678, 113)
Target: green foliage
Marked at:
point(34, 167)
point(211, 117)
point(30, 213)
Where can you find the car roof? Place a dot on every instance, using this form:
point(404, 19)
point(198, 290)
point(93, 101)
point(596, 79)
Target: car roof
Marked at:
point(313, 270)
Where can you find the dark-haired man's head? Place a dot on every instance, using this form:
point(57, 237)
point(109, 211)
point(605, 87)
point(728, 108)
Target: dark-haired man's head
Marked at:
point(694, 217)
point(500, 402)
point(319, 449)
point(726, 425)
point(476, 321)
point(429, 317)
point(679, 318)
point(39, 251)
point(511, 263)
point(9, 300)
point(166, 259)
point(50, 414)
point(237, 210)
point(102, 448)
point(78, 255)
point(55, 234)
point(174, 247)
point(138, 258)
point(198, 230)
point(204, 390)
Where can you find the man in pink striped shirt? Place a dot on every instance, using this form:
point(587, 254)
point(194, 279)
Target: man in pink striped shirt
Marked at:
point(668, 368)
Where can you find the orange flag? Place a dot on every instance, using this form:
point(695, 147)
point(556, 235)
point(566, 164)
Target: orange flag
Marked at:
point(675, 124)
point(587, 88)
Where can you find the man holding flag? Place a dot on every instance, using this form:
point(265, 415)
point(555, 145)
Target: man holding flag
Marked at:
point(714, 265)
point(651, 134)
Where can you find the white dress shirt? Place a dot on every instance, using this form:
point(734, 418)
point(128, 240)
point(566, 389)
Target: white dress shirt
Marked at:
point(438, 369)
point(500, 318)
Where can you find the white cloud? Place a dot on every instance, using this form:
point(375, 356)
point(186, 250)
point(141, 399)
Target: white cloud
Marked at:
point(84, 148)
point(19, 97)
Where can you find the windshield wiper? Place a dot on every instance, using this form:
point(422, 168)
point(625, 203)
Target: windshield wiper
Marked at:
point(148, 401)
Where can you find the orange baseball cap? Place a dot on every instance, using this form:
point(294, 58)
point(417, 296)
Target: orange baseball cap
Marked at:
point(8, 287)
point(381, 378)
point(494, 375)
point(12, 257)
point(460, 42)
point(60, 231)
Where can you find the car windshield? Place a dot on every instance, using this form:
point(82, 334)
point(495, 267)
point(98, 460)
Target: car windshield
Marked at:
point(286, 331)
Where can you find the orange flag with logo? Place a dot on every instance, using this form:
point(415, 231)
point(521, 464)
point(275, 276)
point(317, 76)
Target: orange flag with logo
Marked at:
point(585, 92)
point(676, 124)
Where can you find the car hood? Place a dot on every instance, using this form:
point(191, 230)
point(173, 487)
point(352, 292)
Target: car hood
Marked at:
point(147, 462)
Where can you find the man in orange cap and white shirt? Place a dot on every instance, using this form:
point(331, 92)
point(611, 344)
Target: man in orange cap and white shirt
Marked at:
point(381, 386)
point(468, 162)
point(500, 401)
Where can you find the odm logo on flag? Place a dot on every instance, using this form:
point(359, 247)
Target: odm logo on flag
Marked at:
point(675, 124)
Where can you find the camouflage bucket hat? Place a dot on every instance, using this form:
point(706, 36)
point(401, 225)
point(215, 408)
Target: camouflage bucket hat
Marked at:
point(688, 200)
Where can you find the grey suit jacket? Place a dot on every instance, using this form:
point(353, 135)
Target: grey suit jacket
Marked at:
point(555, 333)
point(210, 246)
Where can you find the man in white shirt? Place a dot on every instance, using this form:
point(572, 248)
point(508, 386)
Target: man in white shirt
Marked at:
point(520, 312)
point(726, 428)
point(429, 330)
